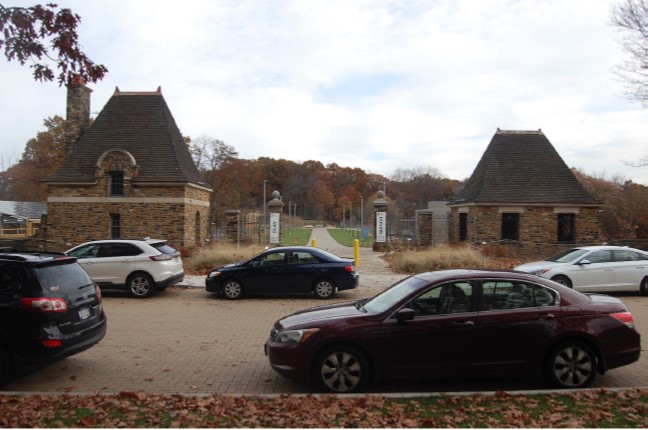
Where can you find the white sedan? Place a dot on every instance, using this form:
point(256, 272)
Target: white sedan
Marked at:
point(595, 268)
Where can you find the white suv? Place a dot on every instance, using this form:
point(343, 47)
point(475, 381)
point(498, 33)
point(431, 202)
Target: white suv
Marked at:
point(140, 266)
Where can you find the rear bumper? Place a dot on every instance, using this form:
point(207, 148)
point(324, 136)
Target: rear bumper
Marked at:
point(32, 350)
point(179, 277)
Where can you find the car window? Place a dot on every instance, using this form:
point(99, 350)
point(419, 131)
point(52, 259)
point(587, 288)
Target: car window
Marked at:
point(500, 295)
point(451, 298)
point(599, 257)
point(118, 249)
point(10, 278)
point(628, 255)
point(63, 277)
point(302, 257)
point(269, 259)
point(87, 251)
point(164, 248)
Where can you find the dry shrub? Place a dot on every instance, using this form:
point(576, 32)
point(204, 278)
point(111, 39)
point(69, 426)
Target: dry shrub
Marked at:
point(439, 257)
point(220, 254)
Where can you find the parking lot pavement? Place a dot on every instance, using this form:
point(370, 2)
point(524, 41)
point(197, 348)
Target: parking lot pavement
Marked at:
point(186, 340)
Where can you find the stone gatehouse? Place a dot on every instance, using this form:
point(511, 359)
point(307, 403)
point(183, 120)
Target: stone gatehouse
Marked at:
point(128, 175)
point(522, 194)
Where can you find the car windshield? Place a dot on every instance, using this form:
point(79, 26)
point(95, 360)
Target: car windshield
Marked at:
point(393, 295)
point(568, 256)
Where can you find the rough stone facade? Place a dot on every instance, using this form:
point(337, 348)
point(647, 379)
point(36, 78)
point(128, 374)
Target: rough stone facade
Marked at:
point(538, 228)
point(178, 214)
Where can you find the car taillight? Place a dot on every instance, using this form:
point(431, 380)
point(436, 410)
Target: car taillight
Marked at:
point(52, 343)
point(45, 304)
point(98, 292)
point(161, 257)
point(350, 269)
point(625, 317)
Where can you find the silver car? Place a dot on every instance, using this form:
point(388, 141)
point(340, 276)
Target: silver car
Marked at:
point(139, 266)
point(595, 268)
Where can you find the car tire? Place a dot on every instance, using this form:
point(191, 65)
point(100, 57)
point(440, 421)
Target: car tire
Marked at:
point(571, 364)
point(324, 289)
point(341, 369)
point(232, 290)
point(562, 280)
point(140, 285)
point(643, 288)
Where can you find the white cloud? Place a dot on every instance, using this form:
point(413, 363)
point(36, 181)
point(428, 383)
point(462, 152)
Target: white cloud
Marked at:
point(376, 84)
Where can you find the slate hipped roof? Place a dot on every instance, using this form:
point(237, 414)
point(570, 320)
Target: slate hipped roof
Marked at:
point(140, 123)
point(522, 167)
point(23, 210)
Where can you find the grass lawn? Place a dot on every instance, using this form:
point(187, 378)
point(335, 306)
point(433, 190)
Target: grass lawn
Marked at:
point(346, 237)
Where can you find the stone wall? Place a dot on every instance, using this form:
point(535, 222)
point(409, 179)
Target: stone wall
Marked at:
point(538, 229)
point(80, 214)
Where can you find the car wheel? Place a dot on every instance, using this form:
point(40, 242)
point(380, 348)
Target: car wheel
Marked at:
point(342, 369)
point(571, 365)
point(643, 288)
point(140, 285)
point(563, 280)
point(324, 289)
point(232, 290)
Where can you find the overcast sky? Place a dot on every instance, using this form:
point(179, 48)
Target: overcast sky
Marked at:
point(375, 84)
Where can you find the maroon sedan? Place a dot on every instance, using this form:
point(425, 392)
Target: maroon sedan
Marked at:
point(457, 322)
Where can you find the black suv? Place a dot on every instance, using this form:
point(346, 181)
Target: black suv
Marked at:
point(49, 309)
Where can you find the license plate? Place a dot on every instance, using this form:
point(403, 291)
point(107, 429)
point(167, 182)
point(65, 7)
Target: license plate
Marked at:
point(84, 313)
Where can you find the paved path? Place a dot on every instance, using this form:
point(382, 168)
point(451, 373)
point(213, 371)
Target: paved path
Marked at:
point(185, 340)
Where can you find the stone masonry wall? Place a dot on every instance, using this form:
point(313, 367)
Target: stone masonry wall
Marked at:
point(538, 229)
point(71, 223)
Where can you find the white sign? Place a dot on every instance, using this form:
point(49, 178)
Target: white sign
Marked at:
point(274, 228)
point(381, 226)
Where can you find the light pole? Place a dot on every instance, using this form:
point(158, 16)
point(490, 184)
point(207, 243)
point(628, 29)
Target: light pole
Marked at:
point(265, 181)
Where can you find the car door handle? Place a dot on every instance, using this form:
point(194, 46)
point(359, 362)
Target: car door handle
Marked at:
point(546, 316)
point(464, 323)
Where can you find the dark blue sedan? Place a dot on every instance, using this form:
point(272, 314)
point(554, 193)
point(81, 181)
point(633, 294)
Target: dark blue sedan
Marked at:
point(285, 270)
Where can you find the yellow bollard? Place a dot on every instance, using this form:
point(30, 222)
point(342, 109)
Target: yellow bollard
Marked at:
point(314, 243)
point(356, 252)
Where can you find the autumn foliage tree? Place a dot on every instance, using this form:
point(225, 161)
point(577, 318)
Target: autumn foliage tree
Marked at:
point(45, 37)
point(42, 156)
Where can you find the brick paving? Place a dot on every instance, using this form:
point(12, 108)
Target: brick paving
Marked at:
point(185, 340)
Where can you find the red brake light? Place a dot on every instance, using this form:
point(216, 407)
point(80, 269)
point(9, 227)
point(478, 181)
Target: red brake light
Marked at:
point(52, 343)
point(98, 291)
point(625, 317)
point(349, 269)
point(45, 304)
point(161, 257)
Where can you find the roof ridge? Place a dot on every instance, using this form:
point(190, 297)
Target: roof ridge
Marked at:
point(500, 131)
point(118, 92)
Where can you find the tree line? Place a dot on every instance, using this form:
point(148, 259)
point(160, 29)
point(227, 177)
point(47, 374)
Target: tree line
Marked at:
point(330, 193)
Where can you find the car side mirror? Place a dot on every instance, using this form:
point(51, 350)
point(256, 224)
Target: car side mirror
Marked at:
point(584, 262)
point(405, 314)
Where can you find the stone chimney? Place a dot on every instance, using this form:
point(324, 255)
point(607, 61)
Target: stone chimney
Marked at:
point(78, 113)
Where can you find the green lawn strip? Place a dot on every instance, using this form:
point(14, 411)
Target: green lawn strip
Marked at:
point(347, 237)
point(296, 236)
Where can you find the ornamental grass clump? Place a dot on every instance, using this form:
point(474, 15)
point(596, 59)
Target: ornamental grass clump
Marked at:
point(220, 254)
point(438, 257)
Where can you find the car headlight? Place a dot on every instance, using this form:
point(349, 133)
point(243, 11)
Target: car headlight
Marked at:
point(540, 272)
point(214, 274)
point(294, 336)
